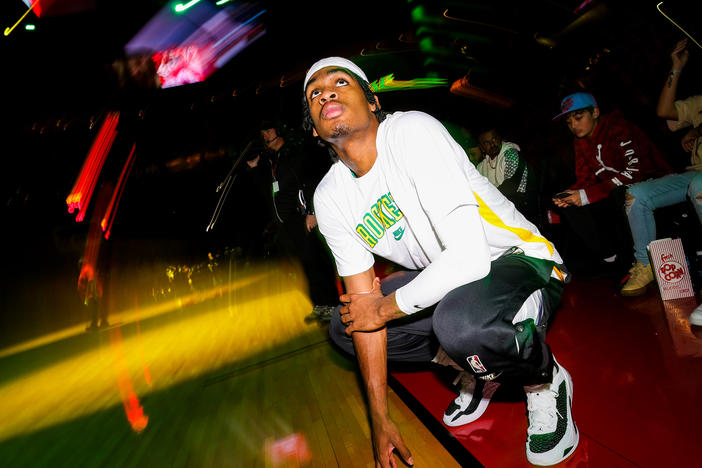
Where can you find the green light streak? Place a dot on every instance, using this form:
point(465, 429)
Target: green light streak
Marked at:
point(30, 27)
point(388, 83)
point(222, 2)
point(179, 8)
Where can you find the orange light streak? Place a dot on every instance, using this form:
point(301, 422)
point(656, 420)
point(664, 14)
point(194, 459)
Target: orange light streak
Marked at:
point(132, 408)
point(109, 218)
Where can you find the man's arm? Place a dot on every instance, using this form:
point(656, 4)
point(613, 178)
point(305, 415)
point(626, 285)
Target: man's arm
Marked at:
point(371, 352)
point(666, 101)
point(688, 141)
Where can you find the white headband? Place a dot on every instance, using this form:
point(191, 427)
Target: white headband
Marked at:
point(333, 62)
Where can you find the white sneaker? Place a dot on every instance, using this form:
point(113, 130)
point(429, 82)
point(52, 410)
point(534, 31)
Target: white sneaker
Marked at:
point(696, 316)
point(472, 400)
point(552, 435)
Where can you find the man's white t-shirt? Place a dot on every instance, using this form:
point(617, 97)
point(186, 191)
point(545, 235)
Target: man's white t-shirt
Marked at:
point(396, 210)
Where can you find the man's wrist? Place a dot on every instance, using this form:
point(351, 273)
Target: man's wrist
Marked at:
point(389, 309)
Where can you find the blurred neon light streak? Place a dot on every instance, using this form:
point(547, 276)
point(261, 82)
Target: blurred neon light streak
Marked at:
point(658, 7)
point(30, 27)
point(82, 191)
point(222, 2)
point(183, 347)
point(233, 31)
point(129, 316)
point(132, 407)
point(9, 30)
point(182, 7)
point(109, 218)
point(388, 83)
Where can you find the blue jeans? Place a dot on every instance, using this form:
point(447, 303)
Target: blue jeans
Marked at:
point(657, 193)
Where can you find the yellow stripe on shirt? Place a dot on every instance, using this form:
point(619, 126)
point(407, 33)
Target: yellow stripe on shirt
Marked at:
point(524, 234)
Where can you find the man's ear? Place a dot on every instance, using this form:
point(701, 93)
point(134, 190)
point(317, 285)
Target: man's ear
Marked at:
point(596, 113)
point(376, 106)
point(314, 132)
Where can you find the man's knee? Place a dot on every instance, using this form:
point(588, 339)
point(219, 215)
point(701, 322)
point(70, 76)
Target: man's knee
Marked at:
point(457, 329)
point(637, 194)
point(629, 200)
point(694, 190)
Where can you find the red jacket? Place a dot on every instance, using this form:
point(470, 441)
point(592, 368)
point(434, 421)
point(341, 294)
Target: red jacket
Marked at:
point(617, 153)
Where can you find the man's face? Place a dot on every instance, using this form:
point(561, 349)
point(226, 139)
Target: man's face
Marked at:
point(490, 143)
point(338, 106)
point(270, 138)
point(581, 123)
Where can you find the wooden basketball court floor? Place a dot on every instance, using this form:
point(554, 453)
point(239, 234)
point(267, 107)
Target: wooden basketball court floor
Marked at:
point(232, 376)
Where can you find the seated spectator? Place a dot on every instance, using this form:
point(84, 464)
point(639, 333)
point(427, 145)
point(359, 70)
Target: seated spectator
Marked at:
point(507, 171)
point(647, 196)
point(611, 154)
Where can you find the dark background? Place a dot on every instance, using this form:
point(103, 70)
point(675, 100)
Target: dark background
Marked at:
point(57, 80)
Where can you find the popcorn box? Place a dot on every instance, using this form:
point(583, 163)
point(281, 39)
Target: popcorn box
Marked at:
point(670, 269)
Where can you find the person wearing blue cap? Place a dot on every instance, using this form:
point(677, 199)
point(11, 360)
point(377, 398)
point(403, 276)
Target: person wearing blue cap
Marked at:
point(480, 286)
point(611, 154)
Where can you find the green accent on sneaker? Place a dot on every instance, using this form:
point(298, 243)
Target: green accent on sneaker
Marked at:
point(541, 443)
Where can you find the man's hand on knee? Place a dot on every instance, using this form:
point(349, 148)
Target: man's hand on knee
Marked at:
point(368, 311)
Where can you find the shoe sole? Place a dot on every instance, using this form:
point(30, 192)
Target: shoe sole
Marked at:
point(569, 386)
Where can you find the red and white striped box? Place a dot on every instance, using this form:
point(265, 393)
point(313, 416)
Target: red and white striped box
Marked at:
point(670, 268)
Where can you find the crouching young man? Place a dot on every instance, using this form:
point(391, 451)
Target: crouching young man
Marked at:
point(482, 283)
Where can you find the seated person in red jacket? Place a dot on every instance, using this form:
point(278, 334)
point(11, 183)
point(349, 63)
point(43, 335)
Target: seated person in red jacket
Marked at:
point(611, 154)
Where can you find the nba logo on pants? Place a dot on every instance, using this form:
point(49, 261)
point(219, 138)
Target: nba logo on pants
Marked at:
point(475, 364)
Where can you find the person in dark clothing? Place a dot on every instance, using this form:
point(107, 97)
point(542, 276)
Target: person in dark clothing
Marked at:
point(293, 180)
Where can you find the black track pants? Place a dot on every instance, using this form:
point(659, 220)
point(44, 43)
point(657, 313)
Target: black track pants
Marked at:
point(475, 323)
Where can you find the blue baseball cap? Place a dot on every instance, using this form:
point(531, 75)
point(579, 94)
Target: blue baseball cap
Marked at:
point(575, 102)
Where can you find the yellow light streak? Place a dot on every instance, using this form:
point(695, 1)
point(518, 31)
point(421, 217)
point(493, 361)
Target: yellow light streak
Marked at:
point(9, 30)
point(130, 316)
point(658, 7)
point(265, 316)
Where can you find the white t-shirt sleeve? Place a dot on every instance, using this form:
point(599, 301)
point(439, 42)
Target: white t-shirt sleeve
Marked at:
point(349, 255)
point(465, 259)
point(435, 164)
point(687, 110)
